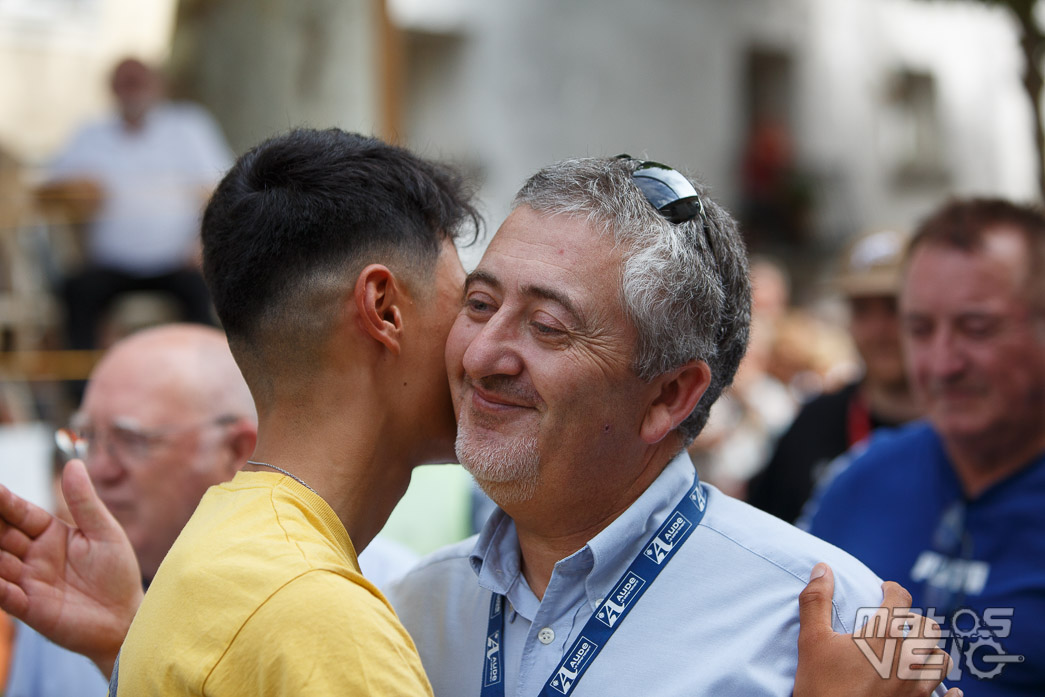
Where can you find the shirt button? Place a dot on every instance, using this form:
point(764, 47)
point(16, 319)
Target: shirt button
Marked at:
point(546, 636)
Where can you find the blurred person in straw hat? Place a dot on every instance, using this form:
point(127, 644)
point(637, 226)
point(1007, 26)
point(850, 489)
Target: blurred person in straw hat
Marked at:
point(827, 426)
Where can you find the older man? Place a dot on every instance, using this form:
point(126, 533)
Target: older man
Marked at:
point(331, 262)
point(607, 315)
point(961, 496)
point(165, 415)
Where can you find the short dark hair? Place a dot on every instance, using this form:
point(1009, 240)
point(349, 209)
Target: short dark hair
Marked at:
point(298, 216)
point(965, 223)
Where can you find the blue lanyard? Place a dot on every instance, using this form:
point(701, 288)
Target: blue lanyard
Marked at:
point(655, 555)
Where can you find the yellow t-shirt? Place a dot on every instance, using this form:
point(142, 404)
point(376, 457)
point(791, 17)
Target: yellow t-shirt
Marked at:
point(261, 595)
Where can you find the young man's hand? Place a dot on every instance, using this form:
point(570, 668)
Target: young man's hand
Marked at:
point(832, 665)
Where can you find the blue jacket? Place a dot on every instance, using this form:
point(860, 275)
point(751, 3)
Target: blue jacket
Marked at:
point(979, 564)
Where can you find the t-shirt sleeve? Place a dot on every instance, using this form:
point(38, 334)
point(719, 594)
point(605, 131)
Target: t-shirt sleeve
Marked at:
point(321, 634)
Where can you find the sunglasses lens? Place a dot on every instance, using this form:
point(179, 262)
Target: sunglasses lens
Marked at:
point(682, 210)
point(656, 191)
point(667, 190)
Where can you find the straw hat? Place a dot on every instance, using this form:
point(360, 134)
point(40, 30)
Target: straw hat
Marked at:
point(872, 264)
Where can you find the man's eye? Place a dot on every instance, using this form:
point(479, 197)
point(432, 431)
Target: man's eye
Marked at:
point(918, 330)
point(980, 328)
point(545, 330)
point(479, 305)
point(130, 439)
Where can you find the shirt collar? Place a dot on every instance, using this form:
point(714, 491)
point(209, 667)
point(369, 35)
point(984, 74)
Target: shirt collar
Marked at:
point(495, 558)
point(496, 561)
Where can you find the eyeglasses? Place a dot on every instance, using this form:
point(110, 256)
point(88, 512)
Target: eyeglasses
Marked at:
point(667, 190)
point(124, 440)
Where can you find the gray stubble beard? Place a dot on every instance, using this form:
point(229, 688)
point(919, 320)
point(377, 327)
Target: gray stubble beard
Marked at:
point(508, 472)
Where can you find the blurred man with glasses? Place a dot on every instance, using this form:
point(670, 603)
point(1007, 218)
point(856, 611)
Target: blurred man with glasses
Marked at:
point(166, 414)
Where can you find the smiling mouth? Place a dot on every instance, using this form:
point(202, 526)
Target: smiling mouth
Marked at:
point(956, 393)
point(493, 401)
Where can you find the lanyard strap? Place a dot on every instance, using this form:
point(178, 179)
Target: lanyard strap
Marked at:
point(655, 555)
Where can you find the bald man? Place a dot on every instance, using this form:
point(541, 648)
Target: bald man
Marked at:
point(166, 414)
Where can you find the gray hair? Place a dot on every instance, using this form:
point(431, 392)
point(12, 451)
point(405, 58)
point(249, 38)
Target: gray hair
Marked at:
point(685, 286)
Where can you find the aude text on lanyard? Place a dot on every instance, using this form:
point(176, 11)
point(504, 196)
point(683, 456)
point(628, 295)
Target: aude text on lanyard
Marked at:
point(655, 555)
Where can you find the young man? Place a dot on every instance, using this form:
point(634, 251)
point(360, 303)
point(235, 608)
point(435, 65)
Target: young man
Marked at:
point(331, 262)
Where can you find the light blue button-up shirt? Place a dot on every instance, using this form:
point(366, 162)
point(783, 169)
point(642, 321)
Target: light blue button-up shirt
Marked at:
point(42, 669)
point(721, 619)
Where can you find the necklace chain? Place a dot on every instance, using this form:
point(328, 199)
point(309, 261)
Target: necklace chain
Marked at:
point(297, 479)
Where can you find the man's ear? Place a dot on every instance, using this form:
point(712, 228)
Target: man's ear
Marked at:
point(377, 298)
point(241, 439)
point(678, 392)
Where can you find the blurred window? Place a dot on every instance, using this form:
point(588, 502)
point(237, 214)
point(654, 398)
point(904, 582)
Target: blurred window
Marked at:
point(911, 135)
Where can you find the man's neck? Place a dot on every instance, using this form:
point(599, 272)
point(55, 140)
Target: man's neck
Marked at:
point(133, 124)
point(890, 403)
point(980, 465)
point(556, 521)
point(350, 453)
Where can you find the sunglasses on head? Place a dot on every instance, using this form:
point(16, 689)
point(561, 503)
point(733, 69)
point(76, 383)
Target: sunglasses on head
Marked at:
point(667, 190)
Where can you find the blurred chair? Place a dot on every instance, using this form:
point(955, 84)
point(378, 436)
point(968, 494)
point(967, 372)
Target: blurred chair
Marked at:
point(27, 310)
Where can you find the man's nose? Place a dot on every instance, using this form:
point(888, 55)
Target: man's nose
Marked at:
point(493, 350)
point(947, 355)
point(101, 460)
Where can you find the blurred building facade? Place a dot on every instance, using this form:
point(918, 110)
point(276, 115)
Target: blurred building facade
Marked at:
point(864, 112)
point(55, 60)
point(263, 66)
point(870, 110)
point(811, 119)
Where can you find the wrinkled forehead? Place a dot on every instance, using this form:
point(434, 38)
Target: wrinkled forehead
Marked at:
point(1002, 255)
point(139, 384)
point(538, 241)
point(557, 256)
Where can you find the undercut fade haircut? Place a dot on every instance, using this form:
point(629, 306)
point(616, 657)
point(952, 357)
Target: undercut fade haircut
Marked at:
point(685, 286)
point(296, 219)
point(964, 224)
